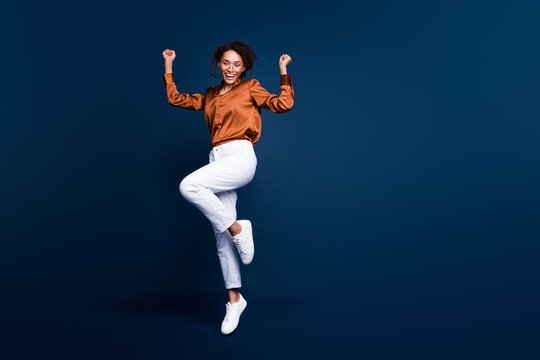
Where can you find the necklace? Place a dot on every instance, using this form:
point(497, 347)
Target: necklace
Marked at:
point(221, 92)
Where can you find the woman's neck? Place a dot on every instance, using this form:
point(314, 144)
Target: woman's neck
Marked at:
point(226, 87)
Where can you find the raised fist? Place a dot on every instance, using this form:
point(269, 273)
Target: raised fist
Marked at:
point(284, 60)
point(169, 55)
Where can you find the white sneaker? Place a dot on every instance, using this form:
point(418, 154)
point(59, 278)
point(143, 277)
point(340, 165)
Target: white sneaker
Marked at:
point(232, 317)
point(244, 242)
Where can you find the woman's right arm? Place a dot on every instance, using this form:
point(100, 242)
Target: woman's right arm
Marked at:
point(186, 101)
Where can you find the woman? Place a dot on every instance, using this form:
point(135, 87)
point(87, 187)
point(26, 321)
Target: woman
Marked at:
point(233, 115)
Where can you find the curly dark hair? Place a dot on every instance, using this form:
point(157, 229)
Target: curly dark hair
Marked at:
point(243, 49)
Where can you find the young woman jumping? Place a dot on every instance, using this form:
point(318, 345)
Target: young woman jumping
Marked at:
point(233, 116)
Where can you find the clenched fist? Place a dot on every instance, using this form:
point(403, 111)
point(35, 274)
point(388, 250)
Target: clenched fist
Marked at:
point(284, 60)
point(169, 55)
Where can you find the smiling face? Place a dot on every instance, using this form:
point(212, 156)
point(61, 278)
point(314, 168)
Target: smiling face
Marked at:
point(231, 66)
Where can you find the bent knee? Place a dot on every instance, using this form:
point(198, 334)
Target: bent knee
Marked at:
point(187, 187)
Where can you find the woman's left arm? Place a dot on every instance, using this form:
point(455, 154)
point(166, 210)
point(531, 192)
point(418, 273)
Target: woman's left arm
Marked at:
point(277, 104)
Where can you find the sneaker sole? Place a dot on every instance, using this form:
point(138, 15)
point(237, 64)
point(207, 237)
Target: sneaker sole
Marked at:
point(250, 228)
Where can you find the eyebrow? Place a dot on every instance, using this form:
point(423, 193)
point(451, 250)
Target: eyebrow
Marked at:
point(231, 60)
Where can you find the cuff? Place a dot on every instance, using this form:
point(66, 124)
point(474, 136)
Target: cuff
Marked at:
point(168, 77)
point(286, 79)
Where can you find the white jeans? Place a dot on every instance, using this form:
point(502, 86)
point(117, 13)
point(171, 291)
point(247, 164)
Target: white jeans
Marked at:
point(212, 189)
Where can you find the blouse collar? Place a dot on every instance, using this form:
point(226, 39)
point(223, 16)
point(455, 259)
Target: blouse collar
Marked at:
point(238, 81)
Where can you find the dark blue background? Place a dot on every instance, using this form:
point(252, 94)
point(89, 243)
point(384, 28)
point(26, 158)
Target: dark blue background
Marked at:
point(395, 207)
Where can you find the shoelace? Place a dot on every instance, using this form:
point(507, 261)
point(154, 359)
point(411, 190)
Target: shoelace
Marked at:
point(229, 307)
point(238, 245)
point(228, 313)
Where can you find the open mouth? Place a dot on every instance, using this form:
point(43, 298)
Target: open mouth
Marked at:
point(229, 76)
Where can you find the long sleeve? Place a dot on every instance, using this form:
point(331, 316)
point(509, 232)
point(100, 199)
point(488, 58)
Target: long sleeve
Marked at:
point(186, 101)
point(277, 104)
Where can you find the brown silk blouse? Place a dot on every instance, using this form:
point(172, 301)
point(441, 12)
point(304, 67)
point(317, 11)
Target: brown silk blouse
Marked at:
point(236, 114)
